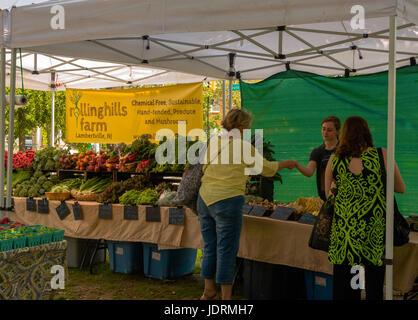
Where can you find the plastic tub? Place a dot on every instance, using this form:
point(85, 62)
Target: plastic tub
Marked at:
point(166, 264)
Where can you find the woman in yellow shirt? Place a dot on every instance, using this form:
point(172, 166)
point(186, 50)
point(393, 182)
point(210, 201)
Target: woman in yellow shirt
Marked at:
point(221, 198)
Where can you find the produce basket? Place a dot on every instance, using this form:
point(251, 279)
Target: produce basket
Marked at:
point(6, 244)
point(57, 235)
point(58, 195)
point(34, 240)
point(19, 242)
point(45, 237)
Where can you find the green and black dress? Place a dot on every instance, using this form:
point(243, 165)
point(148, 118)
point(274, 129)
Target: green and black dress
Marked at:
point(358, 227)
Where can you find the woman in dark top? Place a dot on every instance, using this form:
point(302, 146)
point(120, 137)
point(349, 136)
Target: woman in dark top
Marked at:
point(319, 156)
point(359, 225)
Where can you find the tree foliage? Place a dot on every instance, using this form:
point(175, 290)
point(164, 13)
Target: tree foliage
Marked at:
point(37, 113)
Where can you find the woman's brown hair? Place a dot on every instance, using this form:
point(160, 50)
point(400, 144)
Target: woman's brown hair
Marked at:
point(335, 120)
point(355, 138)
point(237, 119)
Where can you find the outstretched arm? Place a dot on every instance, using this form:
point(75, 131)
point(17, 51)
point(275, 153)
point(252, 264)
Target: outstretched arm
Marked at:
point(307, 171)
point(288, 164)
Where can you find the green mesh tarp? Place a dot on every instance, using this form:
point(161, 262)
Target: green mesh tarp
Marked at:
point(290, 106)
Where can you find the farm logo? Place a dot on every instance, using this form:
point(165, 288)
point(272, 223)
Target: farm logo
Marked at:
point(75, 98)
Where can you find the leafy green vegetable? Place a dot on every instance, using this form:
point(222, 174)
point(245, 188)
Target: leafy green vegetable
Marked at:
point(129, 197)
point(60, 189)
point(96, 184)
point(148, 196)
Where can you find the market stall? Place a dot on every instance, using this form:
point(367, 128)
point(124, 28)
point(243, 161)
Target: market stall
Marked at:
point(158, 21)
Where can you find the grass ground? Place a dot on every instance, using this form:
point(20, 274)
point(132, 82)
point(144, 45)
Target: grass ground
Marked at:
point(107, 285)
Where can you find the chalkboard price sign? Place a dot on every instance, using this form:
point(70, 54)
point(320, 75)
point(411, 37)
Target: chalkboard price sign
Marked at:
point(282, 213)
point(130, 212)
point(43, 206)
point(77, 211)
point(30, 204)
point(258, 211)
point(63, 210)
point(105, 211)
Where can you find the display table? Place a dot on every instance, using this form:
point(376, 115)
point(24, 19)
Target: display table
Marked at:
point(262, 239)
point(25, 274)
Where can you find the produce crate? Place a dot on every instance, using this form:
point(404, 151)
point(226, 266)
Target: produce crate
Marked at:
point(126, 257)
point(33, 235)
point(166, 264)
point(57, 235)
point(6, 244)
point(19, 242)
point(319, 286)
point(45, 237)
point(33, 240)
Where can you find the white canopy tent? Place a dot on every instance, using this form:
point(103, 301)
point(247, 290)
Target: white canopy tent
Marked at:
point(231, 39)
point(197, 36)
point(87, 74)
point(82, 73)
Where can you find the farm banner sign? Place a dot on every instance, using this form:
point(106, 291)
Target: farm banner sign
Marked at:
point(115, 116)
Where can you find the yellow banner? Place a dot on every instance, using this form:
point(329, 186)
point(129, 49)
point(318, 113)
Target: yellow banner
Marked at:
point(115, 116)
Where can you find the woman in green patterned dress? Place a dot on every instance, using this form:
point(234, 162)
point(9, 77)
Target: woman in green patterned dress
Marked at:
point(358, 227)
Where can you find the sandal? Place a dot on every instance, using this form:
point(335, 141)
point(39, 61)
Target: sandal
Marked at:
point(206, 297)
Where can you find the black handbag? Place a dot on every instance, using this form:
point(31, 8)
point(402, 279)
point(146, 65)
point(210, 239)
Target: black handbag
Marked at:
point(400, 225)
point(320, 236)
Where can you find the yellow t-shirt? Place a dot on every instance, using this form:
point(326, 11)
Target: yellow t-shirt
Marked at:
point(225, 180)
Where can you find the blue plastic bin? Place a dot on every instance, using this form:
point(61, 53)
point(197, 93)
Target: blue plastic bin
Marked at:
point(166, 264)
point(125, 257)
point(318, 285)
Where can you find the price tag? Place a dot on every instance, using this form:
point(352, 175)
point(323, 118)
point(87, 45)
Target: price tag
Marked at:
point(152, 214)
point(105, 211)
point(246, 209)
point(258, 211)
point(77, 211)
point(307, 218)
point(176, 216)
point(130, 212)
point(63, 210)
point(43, 206)
point(282, 213)
point(30, 204)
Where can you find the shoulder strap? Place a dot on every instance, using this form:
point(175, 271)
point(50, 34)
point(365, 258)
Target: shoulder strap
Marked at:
point(210, 162)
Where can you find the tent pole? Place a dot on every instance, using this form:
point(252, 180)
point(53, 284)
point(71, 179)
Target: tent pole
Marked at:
point(223, 99)
point(53, 109)
point(390, 157)
point(11, 130)
point(230, 95)
point(2, 122)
